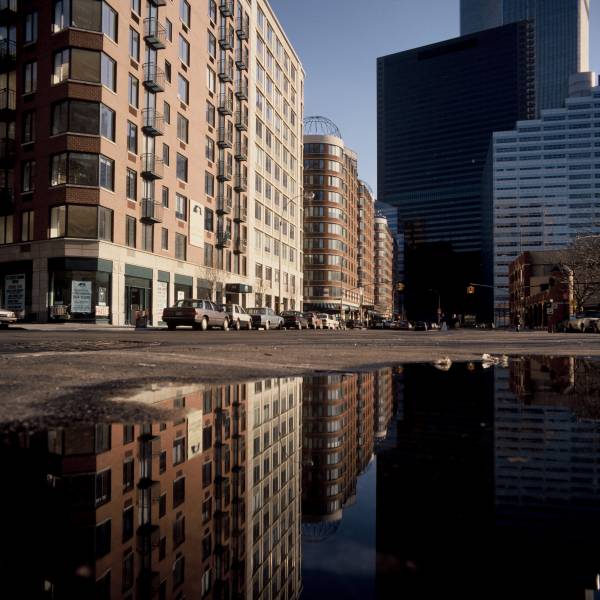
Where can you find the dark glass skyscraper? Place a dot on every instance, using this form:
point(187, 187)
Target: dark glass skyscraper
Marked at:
point(437, 108)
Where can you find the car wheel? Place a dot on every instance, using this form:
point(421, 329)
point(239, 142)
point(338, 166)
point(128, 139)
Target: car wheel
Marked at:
point(204, 324)
point(237, 325)
point(225, 324)
point(267, 325)
point(299, 326)
point(171, 326)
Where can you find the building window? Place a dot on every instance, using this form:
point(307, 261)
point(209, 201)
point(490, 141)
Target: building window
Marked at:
point(31, 27)
point(103, 538)
point(211, 80)
point(127, 530)
point(30, 77)
point(184, 50)
point(164, 239)
point(182, 167)
point(73, 220)
point(168, 71)
point(181, 207)
point(134, 89)
point(132, 137)
point(27, 226)
point(179, 531)
point(182, 128)
point(128, 475)
point(167, 112)
point(209, 184)
point(208, 255)
point(28, 177)
point(80, 168)
point(128, 572)
point(130, 232)
point(166, 156)
point(208, 219)
point(209, 149)
point(183, 89)
point(148, 237)
point(78, 116)
point(29, 126)
point(131, 185)
point(165, 197)
point(212, 45)
point(90, 15)
point(103, 487)
point(210, 114)
point(185, 12)
point(180, 246)
point(212, 10)
point(178, 492)
point(107, 173)
point(109, 72)
point(135, 6)
point(6, 229)
point(110, 22)
point(134, 44)
point(169, 28)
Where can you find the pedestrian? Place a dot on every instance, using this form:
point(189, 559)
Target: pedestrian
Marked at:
point(518, 323)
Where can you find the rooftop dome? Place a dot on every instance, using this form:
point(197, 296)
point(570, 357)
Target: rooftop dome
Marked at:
point(320, 126)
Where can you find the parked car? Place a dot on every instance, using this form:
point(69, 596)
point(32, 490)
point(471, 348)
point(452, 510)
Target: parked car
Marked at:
point(356, 324)
point(314, 322)
point(200, 314)
point(238, 317)
point(7, 317)
point(328, 321)
point(292, 319)
point(405, 325)
point(266, 318)
point(421, 326)
point(585, 322)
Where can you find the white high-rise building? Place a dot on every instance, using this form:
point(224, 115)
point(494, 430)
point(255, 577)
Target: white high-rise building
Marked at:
point(275, 169)
point(546, 181)
point(562, 38)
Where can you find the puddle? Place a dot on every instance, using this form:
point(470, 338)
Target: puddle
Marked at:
point(397, 483)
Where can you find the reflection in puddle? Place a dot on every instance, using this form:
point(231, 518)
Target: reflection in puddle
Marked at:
point(393, 481)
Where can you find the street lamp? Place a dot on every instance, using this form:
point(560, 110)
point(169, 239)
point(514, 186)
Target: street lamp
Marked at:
point(305, 196)
point(439, 309)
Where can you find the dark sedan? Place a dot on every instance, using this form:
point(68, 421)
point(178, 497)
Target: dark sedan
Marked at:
point(292, 319)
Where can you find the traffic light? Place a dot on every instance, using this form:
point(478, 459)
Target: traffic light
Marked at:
point(471, 289)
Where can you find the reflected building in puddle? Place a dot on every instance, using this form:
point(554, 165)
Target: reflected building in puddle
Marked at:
point(342, 416)
point(165, 510)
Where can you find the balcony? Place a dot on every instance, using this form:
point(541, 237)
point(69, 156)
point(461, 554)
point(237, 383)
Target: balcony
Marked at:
point(241, 89)
point(241, 120)
point(158, 2)
point(241, 59)
point(241, 183)
point(225, 71)
point(226, 37)
point(242, 28)
point(224, 171)
point(240, 246)
point(241, 214)
point(7, 201)
point(8, 102)
point(8, 149)
point(152, 211)
point(154, 78)
point(8, 54)
point(224, 205)
point(8, 8)
point(152, 122)
point(225, 138)
point(225, 104)
point(152, 166)
point(155, 34)
point(241, 151)
point(223, 238)
point(226, 8)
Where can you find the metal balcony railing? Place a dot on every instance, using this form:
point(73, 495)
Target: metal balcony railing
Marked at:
point(225, 104)
point(152, 166)
point(240, 246)
point(224, 205)
point(8, 5)
point(223, 238)
point(8, 148)
point(8, 52)
point(155, 34)
point(152, 122)
point(241, 214)
point(225, 138)
point(243, 28)
point(154, 78)
point(241, 151)
point(224, 172)
point(241, 120)
point(226, 37)
point(241, 59)
point(241, 183)
point(226, 8)
point(225, 70)
point(152, 211)
point(241, 89)
point(8, 99)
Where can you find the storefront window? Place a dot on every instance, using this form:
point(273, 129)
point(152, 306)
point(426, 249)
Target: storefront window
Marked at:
point(80, 295)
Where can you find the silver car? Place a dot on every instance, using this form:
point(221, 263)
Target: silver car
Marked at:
point(238, 317)
point(7, 317)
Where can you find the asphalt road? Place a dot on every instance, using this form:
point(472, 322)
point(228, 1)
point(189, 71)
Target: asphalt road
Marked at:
point(59, 371)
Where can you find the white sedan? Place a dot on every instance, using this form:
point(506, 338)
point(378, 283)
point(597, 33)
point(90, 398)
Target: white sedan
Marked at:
point(7, 317)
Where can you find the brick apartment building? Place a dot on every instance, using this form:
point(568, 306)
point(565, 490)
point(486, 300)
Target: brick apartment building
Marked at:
point(142, 144)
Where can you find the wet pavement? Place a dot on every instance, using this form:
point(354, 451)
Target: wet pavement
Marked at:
point(458, 479)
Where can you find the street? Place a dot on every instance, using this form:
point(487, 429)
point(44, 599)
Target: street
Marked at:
point(47, 370)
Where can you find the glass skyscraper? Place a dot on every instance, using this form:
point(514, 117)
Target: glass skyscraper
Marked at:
point(561, 32)
point(437, 109)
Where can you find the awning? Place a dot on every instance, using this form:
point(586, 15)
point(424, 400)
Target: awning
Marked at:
point(238, 288)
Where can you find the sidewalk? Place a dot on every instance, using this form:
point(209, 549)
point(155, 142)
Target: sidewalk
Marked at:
point(79, 327)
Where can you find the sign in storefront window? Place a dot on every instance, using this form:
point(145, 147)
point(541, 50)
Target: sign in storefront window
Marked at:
point(81, 297)
point(14, 290)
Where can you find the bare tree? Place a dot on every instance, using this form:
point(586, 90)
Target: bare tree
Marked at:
point(214, 277)
point(580, 263)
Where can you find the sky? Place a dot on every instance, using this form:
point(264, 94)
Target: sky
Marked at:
point(338, 42)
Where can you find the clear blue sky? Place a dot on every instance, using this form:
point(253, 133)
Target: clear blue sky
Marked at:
point(339, 41)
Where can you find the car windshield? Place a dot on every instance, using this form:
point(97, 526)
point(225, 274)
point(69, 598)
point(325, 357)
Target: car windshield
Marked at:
point(257, 311)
